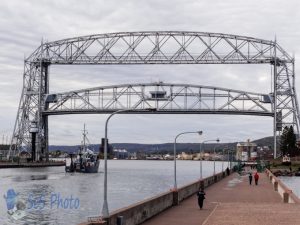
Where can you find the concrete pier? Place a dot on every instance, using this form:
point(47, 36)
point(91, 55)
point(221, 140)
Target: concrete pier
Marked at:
point(229, 200)
point(233, 201)
point(144, 210)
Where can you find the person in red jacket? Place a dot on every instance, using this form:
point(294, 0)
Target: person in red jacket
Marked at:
point(256, 177)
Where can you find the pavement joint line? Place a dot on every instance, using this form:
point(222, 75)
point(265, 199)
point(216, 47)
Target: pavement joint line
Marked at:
point(206, 220)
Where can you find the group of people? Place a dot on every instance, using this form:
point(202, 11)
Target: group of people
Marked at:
point(256, 177)
point(201, 193)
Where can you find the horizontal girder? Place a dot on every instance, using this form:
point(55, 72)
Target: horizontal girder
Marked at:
point(159, 47)
point(164, 97)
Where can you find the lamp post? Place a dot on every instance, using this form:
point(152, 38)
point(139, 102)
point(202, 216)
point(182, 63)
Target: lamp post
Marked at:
point(105, 211)
point(217, 140)
point(230, 155)
point(223, 157)
point(215, 157)
point(189, 132)
point(228, 158)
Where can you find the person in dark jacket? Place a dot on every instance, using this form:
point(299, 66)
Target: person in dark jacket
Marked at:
point(256, 177)
point(201, 197)
point(250, 178)
point(227, 171)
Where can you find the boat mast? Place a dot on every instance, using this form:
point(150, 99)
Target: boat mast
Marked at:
point(84, 137)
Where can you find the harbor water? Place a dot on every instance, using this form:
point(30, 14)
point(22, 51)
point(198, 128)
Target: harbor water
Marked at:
point(293, 183)
point(49, 196)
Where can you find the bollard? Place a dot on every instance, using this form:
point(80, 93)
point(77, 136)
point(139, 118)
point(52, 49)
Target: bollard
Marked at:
point(215, 178)
point(175, 197)
point(120, 220)
point(286, 197)
point(276, 185)
point(271, 177)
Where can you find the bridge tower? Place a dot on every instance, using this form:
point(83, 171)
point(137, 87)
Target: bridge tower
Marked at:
point(133, 48)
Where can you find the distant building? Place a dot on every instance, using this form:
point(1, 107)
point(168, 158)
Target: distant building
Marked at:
point(264, 152)
point(185, 156)
point(168, 157)
point(246, 151)
point(120, 154)
point(140, 155)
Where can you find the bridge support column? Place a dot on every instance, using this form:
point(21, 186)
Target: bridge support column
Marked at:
point(43, 120)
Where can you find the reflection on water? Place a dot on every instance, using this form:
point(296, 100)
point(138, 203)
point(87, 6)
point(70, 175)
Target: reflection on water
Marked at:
point(49, 192)
point(30, 177)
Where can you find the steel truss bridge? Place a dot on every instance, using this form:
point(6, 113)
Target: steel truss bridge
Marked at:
point(164, 47)
point(165, 98)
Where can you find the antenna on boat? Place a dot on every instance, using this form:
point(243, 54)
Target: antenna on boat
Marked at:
point(84, 137)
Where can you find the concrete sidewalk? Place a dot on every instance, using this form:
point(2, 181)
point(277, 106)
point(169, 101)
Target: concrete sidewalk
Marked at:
point(232, 201)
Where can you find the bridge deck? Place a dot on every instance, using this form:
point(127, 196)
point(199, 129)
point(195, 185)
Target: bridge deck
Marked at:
point(233, 201)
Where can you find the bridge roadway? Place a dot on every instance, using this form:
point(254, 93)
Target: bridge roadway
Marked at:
point(232, 201)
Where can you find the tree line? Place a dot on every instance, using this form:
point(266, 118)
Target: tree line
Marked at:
point(288, 142)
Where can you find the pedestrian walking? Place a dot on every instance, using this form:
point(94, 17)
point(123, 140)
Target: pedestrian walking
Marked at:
point(227, 171)
point(250, 178)
point(256, 177)
point(201, 197)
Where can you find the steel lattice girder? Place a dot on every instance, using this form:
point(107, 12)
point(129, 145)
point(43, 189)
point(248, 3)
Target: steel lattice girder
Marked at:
point(163, 47)
point(166, 98)
point(159, 47)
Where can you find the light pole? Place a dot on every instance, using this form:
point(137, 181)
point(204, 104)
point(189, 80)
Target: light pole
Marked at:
point(215, 157)
point(189, 132)
point(228, 158)
point(223, 157)
point(217, 140)
point(105, 211)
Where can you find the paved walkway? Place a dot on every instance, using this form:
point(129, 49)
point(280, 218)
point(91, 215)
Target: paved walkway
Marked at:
point(233, 201)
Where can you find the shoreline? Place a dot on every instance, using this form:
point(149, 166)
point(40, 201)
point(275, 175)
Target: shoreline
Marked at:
point(285, 173)
point(6, 165)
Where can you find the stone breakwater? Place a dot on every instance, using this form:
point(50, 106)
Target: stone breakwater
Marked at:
point(285, 172)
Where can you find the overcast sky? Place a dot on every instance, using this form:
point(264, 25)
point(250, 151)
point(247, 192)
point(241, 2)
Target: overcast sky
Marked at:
point(24, 24)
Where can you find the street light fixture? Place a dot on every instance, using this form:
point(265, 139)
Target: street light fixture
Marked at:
point(217, 140)
point(105, 211)
point(189, 132)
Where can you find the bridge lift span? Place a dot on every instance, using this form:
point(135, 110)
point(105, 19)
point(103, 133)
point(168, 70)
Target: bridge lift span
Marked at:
point(165, 98)
point(159, 47)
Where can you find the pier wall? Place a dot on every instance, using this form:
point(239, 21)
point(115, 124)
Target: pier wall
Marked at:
point(287, 194)
point(144, 210)
point(190, 189)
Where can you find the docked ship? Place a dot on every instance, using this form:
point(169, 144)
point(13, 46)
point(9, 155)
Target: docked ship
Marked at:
point(86, 160)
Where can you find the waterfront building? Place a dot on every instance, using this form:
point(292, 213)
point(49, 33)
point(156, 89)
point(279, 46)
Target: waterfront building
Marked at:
point(246, 151)
point(168, 157)
point(120, 154)
point(185, 156)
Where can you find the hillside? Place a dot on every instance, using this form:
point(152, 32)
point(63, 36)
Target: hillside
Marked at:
point(165, 147)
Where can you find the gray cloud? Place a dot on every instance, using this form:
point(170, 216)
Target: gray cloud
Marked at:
point(24, 24)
